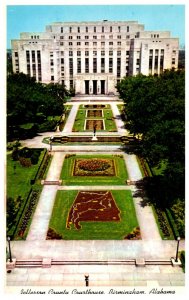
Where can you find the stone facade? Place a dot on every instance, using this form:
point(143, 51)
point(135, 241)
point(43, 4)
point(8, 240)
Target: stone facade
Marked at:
point(92, 57)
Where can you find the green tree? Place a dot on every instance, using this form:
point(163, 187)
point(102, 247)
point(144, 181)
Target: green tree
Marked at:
point(155, 110)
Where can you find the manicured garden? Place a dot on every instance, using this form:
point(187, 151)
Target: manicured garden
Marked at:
point(169, 219)
point(125, 228)
point(88, 113)
point(25, 168)
point(94, 170)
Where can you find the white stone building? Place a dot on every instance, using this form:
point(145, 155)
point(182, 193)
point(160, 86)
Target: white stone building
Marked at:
point(92, 57)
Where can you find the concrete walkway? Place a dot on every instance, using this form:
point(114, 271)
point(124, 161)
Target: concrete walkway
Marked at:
point(40, 221)
point(119, 123)
point(71, 118)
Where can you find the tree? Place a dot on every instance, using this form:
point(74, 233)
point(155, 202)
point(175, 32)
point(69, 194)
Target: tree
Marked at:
point(155, 109)
point(29, 101)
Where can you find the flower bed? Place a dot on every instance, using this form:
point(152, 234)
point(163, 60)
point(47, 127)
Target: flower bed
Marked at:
point(94, 167)
point(94, 113)
point(28, 213)
point(91, 123)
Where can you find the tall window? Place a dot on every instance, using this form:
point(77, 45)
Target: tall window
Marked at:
point(111, 65)
point(86, 29)
point(102, 64)
point(118, 67)
point(28, 62)
point(78, 29)
point(70, 29)
point(102, 28)
point(61, 30)
point(94, 65)
point(78, 65)
point(110, 28)
point(33, 56)
point(87, 65)
point(94, 29)
point(39, 64)
point(71, 66)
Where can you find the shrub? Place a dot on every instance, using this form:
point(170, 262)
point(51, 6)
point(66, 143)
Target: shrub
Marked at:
point(52, 235)
point(134, 235)
point(25, 162)
point(162, 222)
point(15, 154)
point(44, 166)
point(47, 126)
point(25, 152)
point(182, 257)
point(28, 212)
point(35, 156)
point(178, 212)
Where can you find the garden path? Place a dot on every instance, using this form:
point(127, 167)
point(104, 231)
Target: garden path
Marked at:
point(119, 123)
point(40, 220)
point(71, 118)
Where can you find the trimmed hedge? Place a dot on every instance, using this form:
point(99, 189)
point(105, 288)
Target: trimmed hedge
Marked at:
point(39, 168)
point(182, 257)
point(172, 223)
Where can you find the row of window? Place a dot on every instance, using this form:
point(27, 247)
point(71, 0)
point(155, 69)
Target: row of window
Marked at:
point(78, 29)
point(95, 53)
point(87, 53)
point(94, 37)
point(93, 43)
point(102, 66)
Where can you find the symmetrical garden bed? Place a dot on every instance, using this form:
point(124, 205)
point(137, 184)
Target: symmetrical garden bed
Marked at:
point(94, 170)
point(98, 124)
point(92, 206)
point(93, 113)
point(89, 215)
point(101, 114)
point(94, 167)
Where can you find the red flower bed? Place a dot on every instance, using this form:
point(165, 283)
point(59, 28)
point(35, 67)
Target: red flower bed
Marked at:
point(94, 167)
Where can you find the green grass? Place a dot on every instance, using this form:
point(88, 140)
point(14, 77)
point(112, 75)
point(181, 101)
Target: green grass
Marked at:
point(27, 125)
point(160, 169)
point(119, 179)
point(18, 181)
point(94, 230)
point(83, 106)
point(120, 107)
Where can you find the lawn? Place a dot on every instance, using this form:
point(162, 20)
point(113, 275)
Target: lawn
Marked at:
point(92, 230)
point(118, 179)
point(18, 179)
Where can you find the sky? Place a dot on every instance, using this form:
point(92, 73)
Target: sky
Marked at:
point(34, 18)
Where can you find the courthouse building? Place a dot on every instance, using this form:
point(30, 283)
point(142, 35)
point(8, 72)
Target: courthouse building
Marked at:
point(92, 57)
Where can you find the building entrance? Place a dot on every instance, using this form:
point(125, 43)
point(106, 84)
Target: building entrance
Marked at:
point(87, 87)
point(102, 87)
point(94, 87)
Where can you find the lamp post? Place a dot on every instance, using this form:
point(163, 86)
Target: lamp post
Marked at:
point(87, 279)
point(178, 240)
point(10, 255)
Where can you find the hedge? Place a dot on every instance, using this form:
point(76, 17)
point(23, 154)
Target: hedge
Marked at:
point(172, 223)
